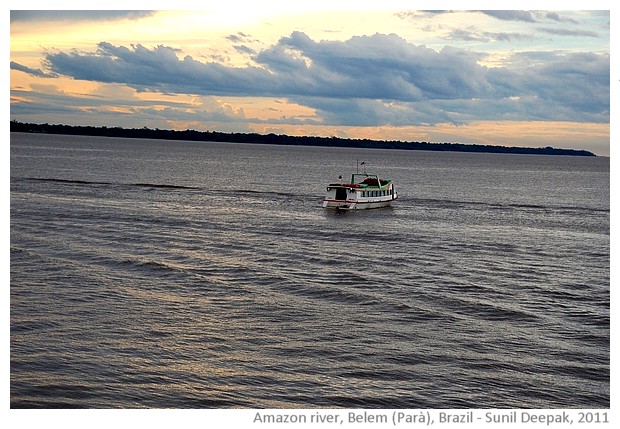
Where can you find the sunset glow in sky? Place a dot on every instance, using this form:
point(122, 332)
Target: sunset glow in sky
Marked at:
point(517, 78)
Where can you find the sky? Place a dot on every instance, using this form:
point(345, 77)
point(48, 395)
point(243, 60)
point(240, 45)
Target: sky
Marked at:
point(348, 69)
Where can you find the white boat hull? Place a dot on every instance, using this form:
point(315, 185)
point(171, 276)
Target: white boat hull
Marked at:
point(355, 205)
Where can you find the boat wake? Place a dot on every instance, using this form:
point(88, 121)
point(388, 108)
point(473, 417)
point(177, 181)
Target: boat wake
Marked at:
point(96, 183)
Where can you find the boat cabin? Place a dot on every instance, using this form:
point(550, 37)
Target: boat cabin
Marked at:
point(363, 192)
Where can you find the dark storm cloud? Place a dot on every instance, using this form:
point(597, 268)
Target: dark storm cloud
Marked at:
point(76, 15)
point(379, 79)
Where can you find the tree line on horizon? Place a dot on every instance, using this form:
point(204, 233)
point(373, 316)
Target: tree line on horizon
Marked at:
point(281, 139)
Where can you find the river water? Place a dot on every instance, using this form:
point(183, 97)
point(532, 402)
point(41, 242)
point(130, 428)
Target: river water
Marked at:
point(167, 274)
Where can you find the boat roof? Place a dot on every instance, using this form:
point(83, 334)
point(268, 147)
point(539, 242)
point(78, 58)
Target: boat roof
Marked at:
point(364, 180)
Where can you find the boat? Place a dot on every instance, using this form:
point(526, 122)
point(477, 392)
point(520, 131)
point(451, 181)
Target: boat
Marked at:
point(365, 191)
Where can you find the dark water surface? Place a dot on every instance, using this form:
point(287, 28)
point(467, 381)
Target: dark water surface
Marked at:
point(175, 274)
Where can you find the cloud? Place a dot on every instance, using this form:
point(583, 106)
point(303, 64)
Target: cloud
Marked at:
point(572, 86)
point(510, 15)
point(235, 38)
point(379, 66)
point(368, 80)
point(504, 15)
point(77, 15)
point(240, 37)
point(485, 36)
point(244, 50)
point(158, 69)
point(120, 106)
point(556, 17)
point(31, 71)
point(374, 67)
point(566, 32)
point(415, 14)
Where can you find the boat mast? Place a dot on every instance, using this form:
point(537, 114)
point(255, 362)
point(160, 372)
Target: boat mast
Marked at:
point(357, 171)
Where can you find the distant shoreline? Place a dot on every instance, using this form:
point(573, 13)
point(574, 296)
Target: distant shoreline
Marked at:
point(274, 139)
